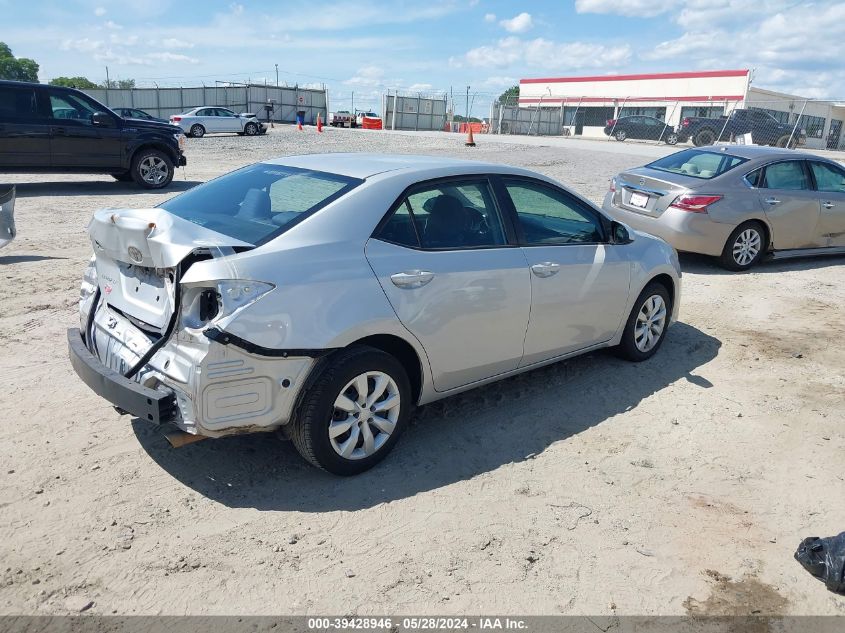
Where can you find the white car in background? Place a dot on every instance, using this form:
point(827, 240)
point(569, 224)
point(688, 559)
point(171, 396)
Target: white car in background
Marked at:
point(204, 120)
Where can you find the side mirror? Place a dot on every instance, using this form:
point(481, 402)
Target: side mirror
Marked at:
point(619, 233)
point(102, 119)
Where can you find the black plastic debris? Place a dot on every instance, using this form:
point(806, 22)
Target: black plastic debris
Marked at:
point(824, 558)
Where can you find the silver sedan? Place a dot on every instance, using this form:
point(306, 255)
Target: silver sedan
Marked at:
point(736, 203)
point(198, 122)
point(326, 295)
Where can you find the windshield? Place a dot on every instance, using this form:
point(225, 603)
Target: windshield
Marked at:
point(259, 202)
point(698, 163)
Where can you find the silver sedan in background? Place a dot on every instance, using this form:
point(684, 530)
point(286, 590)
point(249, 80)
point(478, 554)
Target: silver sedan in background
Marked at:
point(737, 203)
point(198, 122)
point(326, 295)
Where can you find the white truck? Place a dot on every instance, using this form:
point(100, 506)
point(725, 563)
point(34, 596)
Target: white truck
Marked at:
point(341, 118)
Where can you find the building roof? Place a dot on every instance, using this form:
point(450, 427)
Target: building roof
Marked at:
point(700, 74)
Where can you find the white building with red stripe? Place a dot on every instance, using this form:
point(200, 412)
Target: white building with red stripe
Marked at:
point(587, 103)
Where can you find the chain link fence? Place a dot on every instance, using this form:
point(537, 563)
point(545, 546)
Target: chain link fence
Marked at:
point(782, 122)
point(284, 102)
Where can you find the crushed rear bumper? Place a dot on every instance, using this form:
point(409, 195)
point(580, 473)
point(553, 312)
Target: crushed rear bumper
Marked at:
point(153, 405)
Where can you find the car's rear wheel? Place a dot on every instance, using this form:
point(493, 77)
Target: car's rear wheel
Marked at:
point(354, 412)
point(621, 135)
point(152, 169)
point(745, 247)
point(704, 137)
point(250, 129)
point(646, 326)
point(787, 140)
point(197, 131)
point(124, 177)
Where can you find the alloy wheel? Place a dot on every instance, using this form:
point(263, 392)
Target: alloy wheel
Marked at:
point(154, 170)
point(364, 415)
point(746, 246)
point(651, 321)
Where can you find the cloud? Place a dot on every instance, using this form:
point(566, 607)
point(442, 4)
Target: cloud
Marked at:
point(518, 24)
point(112, 25)
point(540, 53)
point(631, 8)
point(172, 42)
point(99, 11)
point(84, 45)
point(367, 76)
point(489, 17)
point(420, 88)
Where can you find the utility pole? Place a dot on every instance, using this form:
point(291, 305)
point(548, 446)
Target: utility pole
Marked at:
point(353, 103)
point(108, 83)
point(467, 119)
point(277, 75)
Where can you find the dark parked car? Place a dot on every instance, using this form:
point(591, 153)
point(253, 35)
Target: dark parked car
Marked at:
point(641, 127)
point(764, 129)
point(135, 113)
point(62, 130)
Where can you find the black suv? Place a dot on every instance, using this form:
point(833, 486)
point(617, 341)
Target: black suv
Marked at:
point(60, 130)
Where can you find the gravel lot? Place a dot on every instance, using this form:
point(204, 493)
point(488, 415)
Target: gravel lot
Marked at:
point(680, 485)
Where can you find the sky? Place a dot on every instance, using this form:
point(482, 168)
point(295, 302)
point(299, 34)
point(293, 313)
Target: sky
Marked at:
point(429, 46)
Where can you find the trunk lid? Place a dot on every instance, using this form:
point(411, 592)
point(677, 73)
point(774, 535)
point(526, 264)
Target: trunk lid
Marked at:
point(138, 252)
point(650, 191)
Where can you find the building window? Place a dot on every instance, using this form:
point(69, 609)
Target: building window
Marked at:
point(778, 115)
point(587, 116)
point(657, 113)
point(813, 124)
point(706, 112)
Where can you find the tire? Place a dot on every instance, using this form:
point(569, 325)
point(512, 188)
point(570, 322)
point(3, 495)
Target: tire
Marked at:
point(704, 137)
point(250, 129)
point(197, 131)
point(672, 139)
point(318, 411)
point(742, 250)
point(655, 306)
point(124, 177)
point(151, 168)
point(621, 135)
point(786, 141)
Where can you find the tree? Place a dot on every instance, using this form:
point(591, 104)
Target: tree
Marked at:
point(509, 96)
point(83, 83)
point(16, 68)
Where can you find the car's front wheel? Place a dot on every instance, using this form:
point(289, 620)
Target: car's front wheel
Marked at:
point(250, 129)
point(646, 326)
point(152, 169)
point(197, 131)
point(621, 135)
point(353, 413)
point(744, 247)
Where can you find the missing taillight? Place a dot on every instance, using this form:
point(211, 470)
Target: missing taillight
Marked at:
point(694, 204)
point(209, 305)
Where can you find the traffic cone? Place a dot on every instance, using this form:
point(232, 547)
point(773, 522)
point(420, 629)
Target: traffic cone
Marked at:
point(319, 124)
point(470, 141)
point(299, 125)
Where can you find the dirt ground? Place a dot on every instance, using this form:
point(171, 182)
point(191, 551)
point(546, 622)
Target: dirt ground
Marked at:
point(680, 485)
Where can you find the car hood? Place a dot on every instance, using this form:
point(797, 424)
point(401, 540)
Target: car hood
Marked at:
point(140, 124)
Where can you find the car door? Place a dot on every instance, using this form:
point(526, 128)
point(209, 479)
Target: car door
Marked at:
point(229, 121)
point(579, 281)
point(653, 128)
point(206, 118)
point(75, 141)
point(830, 184)
point(455, 279)
point(24, 129)
point(790, 204)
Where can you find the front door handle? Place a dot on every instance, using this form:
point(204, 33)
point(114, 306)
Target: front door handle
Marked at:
point(412, 278)
point(545, 269)
point(772, 201)
point(827, 204)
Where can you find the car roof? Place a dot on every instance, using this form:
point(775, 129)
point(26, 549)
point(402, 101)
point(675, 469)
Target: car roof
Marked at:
point(363, 165)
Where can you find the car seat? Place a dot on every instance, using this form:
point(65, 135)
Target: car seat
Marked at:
point(255, 205)
point(446, 224)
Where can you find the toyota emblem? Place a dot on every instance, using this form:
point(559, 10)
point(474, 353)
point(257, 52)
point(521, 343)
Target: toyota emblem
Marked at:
point(135, 255)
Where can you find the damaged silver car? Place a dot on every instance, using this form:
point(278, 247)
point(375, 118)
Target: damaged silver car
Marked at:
point(7, 215)
point(326, 295)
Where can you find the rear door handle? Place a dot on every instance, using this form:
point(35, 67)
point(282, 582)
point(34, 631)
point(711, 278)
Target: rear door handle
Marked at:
point(827, 204)
point(545, 269)
point(412, 278)
point(772, 201)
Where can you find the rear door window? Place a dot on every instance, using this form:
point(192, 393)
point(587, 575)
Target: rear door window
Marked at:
point(788, 175)
point(17, 103)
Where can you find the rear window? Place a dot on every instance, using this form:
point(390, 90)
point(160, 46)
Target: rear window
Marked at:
point(259, 202)
point(698, 163)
